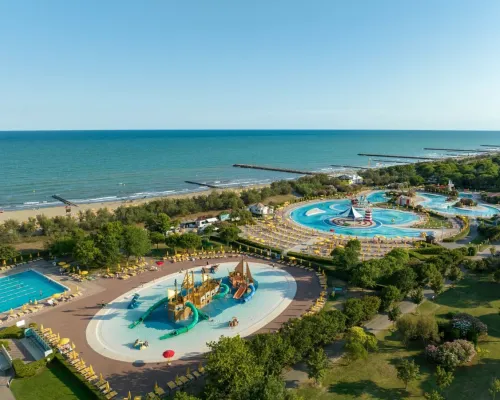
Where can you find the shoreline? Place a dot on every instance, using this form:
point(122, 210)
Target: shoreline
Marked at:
point(60, 211)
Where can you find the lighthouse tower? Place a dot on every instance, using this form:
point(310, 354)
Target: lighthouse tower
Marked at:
point(368, 215)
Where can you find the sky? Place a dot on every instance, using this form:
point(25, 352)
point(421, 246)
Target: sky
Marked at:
point(249, 64)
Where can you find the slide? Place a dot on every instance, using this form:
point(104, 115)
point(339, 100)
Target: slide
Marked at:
point(197, 315)
point(148, 312)
point(241, 291)
point(249, 296)
point(135, 301)
point(224, 289)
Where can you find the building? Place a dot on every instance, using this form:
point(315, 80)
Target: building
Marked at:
point(404, 200)
point(224, 217)
point(351, 179)
point(204, 222)
point(261, 209)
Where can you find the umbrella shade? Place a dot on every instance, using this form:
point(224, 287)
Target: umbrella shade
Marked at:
point(65, 266)
point(160, 262)
point(168, 353)
point(63, 341)
point(61, 263)
point(56, 295)
point(85, 272)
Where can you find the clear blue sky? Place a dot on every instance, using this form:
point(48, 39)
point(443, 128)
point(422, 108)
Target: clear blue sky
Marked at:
point(120, 64)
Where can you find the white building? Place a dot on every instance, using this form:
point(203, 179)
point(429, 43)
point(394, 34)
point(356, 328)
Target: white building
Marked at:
point(354, 179)
point(260, 209)
point(202, 223)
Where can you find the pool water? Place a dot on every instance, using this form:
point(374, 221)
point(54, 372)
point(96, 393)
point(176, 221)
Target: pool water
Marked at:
point(439, 203)
point(377, 197)
point(108, 332)
point(388, 223)
point(17, 290)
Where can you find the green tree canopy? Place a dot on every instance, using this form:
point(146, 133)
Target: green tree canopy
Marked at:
point(135, 241)
point(408, 371)
point(317, 364)
point(228, 232)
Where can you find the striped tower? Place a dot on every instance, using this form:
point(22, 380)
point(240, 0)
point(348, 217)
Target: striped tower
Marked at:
point(368, 215)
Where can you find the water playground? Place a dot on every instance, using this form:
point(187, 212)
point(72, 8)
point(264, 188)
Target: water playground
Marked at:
point(184, 311)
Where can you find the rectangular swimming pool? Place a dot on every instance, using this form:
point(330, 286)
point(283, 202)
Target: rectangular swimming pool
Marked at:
point(18, 289)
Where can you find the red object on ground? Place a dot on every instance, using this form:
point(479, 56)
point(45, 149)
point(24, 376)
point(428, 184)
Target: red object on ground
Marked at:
point(168, 353)
point(160, 262)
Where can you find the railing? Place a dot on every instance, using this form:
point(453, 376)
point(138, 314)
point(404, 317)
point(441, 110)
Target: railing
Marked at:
point(40, 341)
point(6, 355)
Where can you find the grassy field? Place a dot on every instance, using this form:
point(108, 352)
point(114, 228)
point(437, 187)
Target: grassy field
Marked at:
point(55, 382)
point(375, 378)
point(435, 223)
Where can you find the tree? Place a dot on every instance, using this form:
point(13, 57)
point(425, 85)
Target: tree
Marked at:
point(135, 241)
point(455, 274)
point(394, 313)
point(443, 378)
point(7, 252)
point(404, 279)
point(494, 388)
point(493, 250)
point(358, 343)
point(156, 238)
point(61, 245)
point(390, 295)
point(190, 240)
point(496, 275)
point(159, 223)
point(371, 305)
point(353, 309)
point(317, 364)
point(85, 251)
point(422, 327)
point(408, 371)
point(233, 370)
point(434, 395)
point(108, 239)
point(228, 232)
point(365, 274)
point(275, 352)
point(436, 283)
point(417, 295)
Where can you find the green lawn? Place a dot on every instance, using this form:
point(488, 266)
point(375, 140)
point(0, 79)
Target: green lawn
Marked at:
point(55, 382)
point(375, 378)
point(436, 223)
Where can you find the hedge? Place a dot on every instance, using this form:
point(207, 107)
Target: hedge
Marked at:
point(12, 332)
point(430, 250)
point(93, 392)
point(326, 264)
point(23, 370)
point(463, 233)
point(5, 344)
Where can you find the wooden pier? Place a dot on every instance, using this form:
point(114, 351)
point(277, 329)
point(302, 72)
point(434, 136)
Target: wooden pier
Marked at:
point(348, 166)
point(67, 202)
point(208, 185)
point(461, 150)
point(289, 171)
point(398, 156)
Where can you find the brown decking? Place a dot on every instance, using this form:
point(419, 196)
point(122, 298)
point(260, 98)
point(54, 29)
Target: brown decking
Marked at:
point(71, 319)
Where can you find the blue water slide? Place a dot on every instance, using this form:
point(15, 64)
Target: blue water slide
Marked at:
point(249, 296)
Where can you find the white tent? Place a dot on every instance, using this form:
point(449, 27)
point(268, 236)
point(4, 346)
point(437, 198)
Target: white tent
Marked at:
point(351, 213)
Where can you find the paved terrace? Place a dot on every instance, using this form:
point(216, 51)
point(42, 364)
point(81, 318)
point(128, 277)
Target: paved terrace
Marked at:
point(71, 320)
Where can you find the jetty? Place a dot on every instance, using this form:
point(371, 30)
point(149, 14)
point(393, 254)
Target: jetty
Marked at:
point(208, 185)
point(461, 150)
point(67, 202)
point(264, 168)
point(348, 166)
point(398, 156)
point(489, 145)
point(392, 161)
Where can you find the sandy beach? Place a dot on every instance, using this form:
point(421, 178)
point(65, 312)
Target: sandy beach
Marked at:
point(24, 215)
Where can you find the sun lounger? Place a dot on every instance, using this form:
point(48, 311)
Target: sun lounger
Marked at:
point(171, 385)
point(159, 391)
point(111, 395)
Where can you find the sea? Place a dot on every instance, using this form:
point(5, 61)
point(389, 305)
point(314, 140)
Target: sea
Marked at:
point(100, 166)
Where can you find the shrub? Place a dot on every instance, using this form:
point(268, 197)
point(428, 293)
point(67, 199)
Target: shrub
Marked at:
point(414, 327)
point(471, 251)
point(417, 295)
point(12, 332)
point(5, 344)
point(468, 326)
point(23, 370)
point(451, 354)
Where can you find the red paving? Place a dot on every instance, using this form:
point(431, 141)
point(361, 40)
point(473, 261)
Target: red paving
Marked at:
point(71, 319)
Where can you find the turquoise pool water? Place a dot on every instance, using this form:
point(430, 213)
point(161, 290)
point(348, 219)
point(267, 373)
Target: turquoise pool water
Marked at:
point(387, 222)
point(108, 332)
point(17, 290)
point(439, 203)
point(377, 197)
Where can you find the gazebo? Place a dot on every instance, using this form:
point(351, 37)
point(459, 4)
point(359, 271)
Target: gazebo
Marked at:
point(351, 213)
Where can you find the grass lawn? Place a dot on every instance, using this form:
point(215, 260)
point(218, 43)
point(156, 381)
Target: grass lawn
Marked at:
point(375, 378)
point(55, 382)
point(435, 223)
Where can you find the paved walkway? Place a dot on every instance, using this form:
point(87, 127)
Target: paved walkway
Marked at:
point(5, 393)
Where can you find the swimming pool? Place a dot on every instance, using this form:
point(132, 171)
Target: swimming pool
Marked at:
point(388, 223)
point(109, 334)
point(18, 289)
point(439, 203)
point(377, 197)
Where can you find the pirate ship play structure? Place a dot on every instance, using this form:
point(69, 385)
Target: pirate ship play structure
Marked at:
point(186, 301)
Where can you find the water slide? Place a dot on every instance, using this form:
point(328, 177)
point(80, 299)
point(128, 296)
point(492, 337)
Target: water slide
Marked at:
point(148, 312)
point(197, 315)
point(241, 291)
point(224, 289)
point(249, 296)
